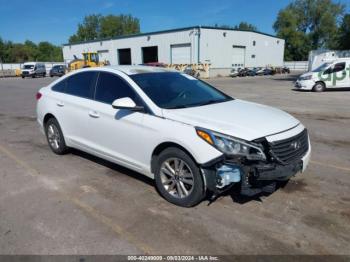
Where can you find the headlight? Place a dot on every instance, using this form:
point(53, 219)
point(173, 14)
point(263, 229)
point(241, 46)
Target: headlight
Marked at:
point(306, 77)
point(231, 146)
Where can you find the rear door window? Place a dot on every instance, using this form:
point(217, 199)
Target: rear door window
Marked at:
point(60, 86)
point(81, 84)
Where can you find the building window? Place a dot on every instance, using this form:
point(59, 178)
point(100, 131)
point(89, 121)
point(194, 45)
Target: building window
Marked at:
point(254, 43)
point(253, 56)
point(278, 41)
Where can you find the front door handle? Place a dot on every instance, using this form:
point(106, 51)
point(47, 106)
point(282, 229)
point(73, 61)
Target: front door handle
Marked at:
point(94, 114)
point(60, 104)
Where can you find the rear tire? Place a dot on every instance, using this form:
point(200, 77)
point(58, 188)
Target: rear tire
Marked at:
point(55, 137)
point(178, 178)
point(319, 87)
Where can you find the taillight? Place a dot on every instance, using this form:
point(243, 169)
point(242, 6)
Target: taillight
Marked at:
point(38, 95)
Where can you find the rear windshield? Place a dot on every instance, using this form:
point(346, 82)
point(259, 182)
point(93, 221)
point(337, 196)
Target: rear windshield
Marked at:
point(171, 90)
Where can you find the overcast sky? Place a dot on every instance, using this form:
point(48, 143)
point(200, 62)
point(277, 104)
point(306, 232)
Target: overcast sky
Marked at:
point(55, 21)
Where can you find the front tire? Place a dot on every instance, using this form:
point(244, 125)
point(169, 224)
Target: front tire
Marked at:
point(55, 137)
point(319, 87)
point(178, 178)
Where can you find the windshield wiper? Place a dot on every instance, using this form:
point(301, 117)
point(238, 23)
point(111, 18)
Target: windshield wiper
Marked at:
point(210, 102)
point(177, 107)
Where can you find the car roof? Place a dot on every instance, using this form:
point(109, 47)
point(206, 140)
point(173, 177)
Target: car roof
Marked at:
point(128, 70)
point(133, 70)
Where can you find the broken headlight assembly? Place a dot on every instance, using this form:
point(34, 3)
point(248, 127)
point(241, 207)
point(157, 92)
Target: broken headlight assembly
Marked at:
point(232, 146)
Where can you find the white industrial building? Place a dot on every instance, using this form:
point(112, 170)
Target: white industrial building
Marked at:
point(223, 49)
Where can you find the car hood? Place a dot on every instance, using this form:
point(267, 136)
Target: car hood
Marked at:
point(307, 74)
point(238, 118)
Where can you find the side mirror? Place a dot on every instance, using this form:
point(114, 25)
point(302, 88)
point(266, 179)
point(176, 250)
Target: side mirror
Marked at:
point(128, 104)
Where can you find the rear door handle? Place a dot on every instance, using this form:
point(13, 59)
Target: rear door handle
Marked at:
point(94, 114)
point(60, 104)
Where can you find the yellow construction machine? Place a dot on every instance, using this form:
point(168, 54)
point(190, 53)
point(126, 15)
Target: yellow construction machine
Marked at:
point(90, 59)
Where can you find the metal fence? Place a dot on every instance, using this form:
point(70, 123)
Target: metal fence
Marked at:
point(297, 65)
point(9, 70)
point(15, 66)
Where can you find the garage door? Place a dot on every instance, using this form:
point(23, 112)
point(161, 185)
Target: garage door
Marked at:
point(238, 55)
point(181, 54)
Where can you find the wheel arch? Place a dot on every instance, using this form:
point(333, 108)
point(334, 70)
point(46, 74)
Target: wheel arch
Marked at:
point(47, 117)
point(164, 145)
point(322, 82)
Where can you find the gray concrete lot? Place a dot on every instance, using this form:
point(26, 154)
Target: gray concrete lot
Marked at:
point(79, 204)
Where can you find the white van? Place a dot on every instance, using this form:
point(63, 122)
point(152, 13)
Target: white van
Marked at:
point(334, 74)
point(33, 69)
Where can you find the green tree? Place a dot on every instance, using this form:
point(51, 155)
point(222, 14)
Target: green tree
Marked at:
point(49, 52)
point(112, 25)
point(98, 26)
point(28, 51)
point(2, 50)
point(246, 27)
point(343, 40)
point(31, 50)
point(88, 30)
point(307, 25)
point(241, 26)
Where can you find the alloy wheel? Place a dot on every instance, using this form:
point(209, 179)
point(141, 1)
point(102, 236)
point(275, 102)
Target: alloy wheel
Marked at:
point(177, 177)
point(53, 136)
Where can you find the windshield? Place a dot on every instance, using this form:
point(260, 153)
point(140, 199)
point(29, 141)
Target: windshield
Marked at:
point(322, 67)
point(28, 66)
point(172, 90)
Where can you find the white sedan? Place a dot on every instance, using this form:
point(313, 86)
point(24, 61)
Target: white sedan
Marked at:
point(188, 136)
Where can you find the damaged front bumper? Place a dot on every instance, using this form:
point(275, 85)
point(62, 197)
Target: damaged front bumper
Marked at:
point(254, 178)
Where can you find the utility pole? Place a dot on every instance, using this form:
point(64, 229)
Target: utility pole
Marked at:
point(2, 68)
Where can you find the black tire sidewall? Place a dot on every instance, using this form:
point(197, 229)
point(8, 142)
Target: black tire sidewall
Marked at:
point(198, 191)
point(319, 87)
point(62, 148)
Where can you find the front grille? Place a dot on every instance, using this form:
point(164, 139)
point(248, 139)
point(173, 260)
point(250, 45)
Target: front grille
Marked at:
point(291, 149)
point(25, 72)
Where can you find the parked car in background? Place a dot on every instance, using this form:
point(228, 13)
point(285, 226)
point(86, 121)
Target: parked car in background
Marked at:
point(243, 72)
point(252, 72)
point(285, 70)
point(33, 69)
point(268, 71)
point(235, 72)
point(190, 137)
point(190, 71)
point(329, 75)
point(260, 71)
point(58, 70)
point(155, 64)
